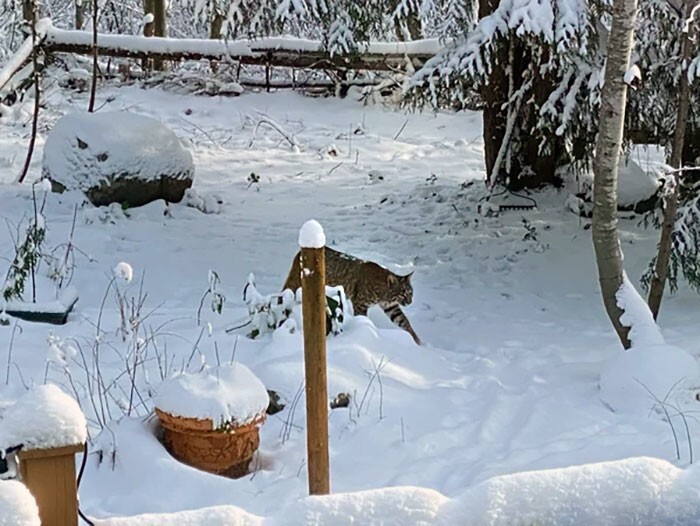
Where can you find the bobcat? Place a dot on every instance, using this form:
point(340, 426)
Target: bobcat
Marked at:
point(366, 283)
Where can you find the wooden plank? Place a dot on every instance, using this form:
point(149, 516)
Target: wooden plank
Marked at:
point(50, 476)
point(53, 452)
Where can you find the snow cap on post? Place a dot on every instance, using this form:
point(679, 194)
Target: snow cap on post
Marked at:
point(43, 418)
point(311, 235)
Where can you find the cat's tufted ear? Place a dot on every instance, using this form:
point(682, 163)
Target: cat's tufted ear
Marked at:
point(391, 279)
point(409, 275)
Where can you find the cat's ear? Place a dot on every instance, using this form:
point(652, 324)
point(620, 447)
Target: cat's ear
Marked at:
point(391, 279)
point(409, 275)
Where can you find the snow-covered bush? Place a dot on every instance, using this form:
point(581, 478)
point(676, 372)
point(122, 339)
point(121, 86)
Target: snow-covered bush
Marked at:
point(28, 254)
point(273, 311)
point(25, 271)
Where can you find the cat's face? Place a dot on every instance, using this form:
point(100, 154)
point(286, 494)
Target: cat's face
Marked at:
point(400, 288)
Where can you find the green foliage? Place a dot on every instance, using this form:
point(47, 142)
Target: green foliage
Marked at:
point(28, 254)
point(25, 262)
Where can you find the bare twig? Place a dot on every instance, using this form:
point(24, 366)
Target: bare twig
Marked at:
point(37, 95)
point(267, 121)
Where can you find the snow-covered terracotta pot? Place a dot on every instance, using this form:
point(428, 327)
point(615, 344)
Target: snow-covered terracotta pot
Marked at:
point(211, 419)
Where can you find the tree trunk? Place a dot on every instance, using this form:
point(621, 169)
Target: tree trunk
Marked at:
point(607, 159)
point(493, 95)
point(28, 12)
point(217, 22)
point(160, 28)
point(658, 281)
point(409, 28)
point(148, 30)
point(79, 14)
point(95, 57)
point(149, 9)
point(527, 166)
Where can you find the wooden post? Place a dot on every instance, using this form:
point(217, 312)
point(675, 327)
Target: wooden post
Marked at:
point(50, 476)
point(313, 284)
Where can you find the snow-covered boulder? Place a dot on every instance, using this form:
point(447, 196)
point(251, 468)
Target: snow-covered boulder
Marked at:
point(17, 506)
point(636, 380)
point(117, 157)
point(637, 190)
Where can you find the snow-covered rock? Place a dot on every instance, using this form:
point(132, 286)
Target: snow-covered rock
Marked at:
point(17, 506)
point(44, 417)
point(636, 189)
point(117, 157)
point(632, 380)
point(228, 393)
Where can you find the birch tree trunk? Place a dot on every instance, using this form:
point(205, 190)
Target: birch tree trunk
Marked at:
point(605, 166)
point(658, 281)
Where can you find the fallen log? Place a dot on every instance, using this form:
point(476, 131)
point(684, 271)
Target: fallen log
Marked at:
point(271, 51)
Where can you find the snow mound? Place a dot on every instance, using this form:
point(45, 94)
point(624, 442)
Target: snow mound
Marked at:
point(634, 184)
point(636, 188)
point(311, 235)
point(403, 506)
point(630, 381)
point(635, 491)
point(637, 316)
point(215, 516)
point(631, 492)
point(44, 417)
point(99, 153)
point(386, 507)
point(228, 393)
point(17, 506)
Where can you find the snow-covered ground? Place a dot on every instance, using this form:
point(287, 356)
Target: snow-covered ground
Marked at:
point(515, 334)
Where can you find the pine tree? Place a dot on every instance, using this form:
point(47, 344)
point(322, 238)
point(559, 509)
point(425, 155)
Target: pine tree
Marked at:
point(537, 66)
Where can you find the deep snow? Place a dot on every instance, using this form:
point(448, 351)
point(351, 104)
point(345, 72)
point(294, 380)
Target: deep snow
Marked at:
point(509, 306)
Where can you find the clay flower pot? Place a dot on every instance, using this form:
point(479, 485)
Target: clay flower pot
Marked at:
point(195, 442)
point(211, 419)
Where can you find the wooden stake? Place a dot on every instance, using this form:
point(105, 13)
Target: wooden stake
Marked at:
point(313, 284)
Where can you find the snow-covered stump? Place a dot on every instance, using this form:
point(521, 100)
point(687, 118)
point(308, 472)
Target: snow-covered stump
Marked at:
point(312, 241)
point(50, 428)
